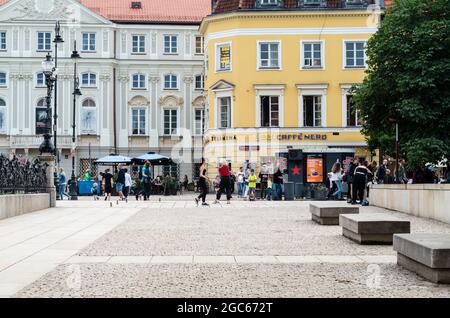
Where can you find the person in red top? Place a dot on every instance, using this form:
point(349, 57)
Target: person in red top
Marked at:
point(225, 180)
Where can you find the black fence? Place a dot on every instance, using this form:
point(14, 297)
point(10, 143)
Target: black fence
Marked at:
point(20, 175)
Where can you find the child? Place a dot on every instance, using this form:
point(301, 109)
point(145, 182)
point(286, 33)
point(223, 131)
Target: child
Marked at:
point(252, 185)
point(269, 189)
point(94, 191)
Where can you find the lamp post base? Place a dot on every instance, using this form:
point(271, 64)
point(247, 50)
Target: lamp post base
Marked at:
point(73, 194)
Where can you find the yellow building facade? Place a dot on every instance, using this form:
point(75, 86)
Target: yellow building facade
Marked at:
point(277, 80)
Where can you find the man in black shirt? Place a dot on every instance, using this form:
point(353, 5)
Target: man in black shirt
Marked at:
point(360, 182)
point(120, 182)
point(263, 178)
point(107, 178)
point(277, 184)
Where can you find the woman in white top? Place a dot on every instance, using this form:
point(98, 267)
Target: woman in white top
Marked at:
point(241, 183)
point(127, 185)
point(336, 178)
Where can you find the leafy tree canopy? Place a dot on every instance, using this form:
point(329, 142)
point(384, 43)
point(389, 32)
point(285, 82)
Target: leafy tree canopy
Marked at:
point(408, 79)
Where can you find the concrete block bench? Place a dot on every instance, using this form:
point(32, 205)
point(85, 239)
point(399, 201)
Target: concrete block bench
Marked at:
point(327, 213)
point(372, 228)
point(427, 255)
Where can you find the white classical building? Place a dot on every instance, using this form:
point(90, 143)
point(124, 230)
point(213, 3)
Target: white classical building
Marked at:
point(141, 78)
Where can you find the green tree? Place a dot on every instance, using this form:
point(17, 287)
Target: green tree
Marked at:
point(408, 78)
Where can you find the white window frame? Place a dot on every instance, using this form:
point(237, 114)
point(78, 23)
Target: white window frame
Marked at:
point(90, 80)
point(138, 47)
point(219, 112)
point(202, 42)
point(4, 111)
point(344, 93)
point(132, 81)
point(270, 90)
point(3, 40)
point(202, 82)
point(269, 2)
point(202, 123)
point(217, 66)
point(82, 109)
point(138, 108)
point(170, 46)
point(177, 109)
point(89, 50)
point(170, 88)
point(312, 90)
point(5, 85)
point(259, 67)
point(344, 54)
point(44, 49)
point(322, 55)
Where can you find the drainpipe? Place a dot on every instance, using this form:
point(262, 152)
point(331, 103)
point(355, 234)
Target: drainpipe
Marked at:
point(114, 97)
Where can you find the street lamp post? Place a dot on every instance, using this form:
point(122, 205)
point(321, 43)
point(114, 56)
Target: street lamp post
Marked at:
point(58, 39)
point(76, 92)
point(49, 69)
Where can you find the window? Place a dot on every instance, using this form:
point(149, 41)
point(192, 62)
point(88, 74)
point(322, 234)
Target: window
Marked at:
point(269, 56)
point(223, 57)
point(172, 170)
point(2, 79)
point(138, 121)
point(138, 43)
point(88, 116)
point(88, 79)
point(269, 2)
point(170, 44)
point(2, 40)
point(170, 121)
point(270, 111)
point(199, 121)
point(355, 55)
point(170, 81)
point(88, 42)
point(41, 116)
point(138, 81)
point(312, 55)
point(353, 118)
point(2, 116)
point(225, 112)
point(44, 41)
point(199, 45)
point(199, 82)
point(40, 80)
point(312, 111)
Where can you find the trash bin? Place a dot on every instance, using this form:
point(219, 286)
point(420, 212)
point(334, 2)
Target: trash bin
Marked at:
point(298, 191)
point(84, 187)
point(289, 191)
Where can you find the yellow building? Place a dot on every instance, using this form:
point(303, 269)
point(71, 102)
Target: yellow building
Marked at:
point(277, 79)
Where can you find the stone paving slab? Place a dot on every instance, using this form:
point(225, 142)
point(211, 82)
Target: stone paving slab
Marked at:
point(226, 280)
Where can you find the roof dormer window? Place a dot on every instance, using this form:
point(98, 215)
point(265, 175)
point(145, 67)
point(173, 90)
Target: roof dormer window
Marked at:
point(312, 3)
point(136, 5)
point(269, 3)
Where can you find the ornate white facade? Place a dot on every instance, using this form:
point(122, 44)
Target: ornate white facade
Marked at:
point(141, 83)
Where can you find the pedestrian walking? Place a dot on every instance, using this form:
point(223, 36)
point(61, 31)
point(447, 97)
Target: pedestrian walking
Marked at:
point(359, 182)
point(382, 173)
point(336, 178)
point(203, 184)
point(269, 190)
point(252, 185)
point(107, 180)
point(128, 182)
point(95, 191)
point(278, 184)
point(349, 177)
point(120, 182)
point(147, 180)
point(225, 187)
point(62, 184)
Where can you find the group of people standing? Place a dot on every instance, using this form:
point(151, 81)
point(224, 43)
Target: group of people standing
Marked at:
point(246, 180)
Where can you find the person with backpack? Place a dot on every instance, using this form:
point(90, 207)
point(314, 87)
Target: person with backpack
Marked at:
point(359, 182)
point(146, 179)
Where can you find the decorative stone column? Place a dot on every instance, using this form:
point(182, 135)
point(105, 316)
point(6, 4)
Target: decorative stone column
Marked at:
point(51, 190)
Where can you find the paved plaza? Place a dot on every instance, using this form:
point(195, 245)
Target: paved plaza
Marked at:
point(168, 247)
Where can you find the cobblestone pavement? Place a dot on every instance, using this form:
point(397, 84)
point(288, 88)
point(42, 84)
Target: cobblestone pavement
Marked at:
point(246, 249)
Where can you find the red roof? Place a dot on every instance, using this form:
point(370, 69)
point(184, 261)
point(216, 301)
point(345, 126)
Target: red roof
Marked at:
point(152, 11)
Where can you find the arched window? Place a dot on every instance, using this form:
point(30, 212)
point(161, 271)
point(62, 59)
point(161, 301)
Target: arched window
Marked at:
point(2, 116)
point(41, 116)
point(88, 116)
point(88, 79)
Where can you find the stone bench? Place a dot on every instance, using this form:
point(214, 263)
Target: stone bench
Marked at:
point(372, 228)
point(427, 255)
point(327, 213)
